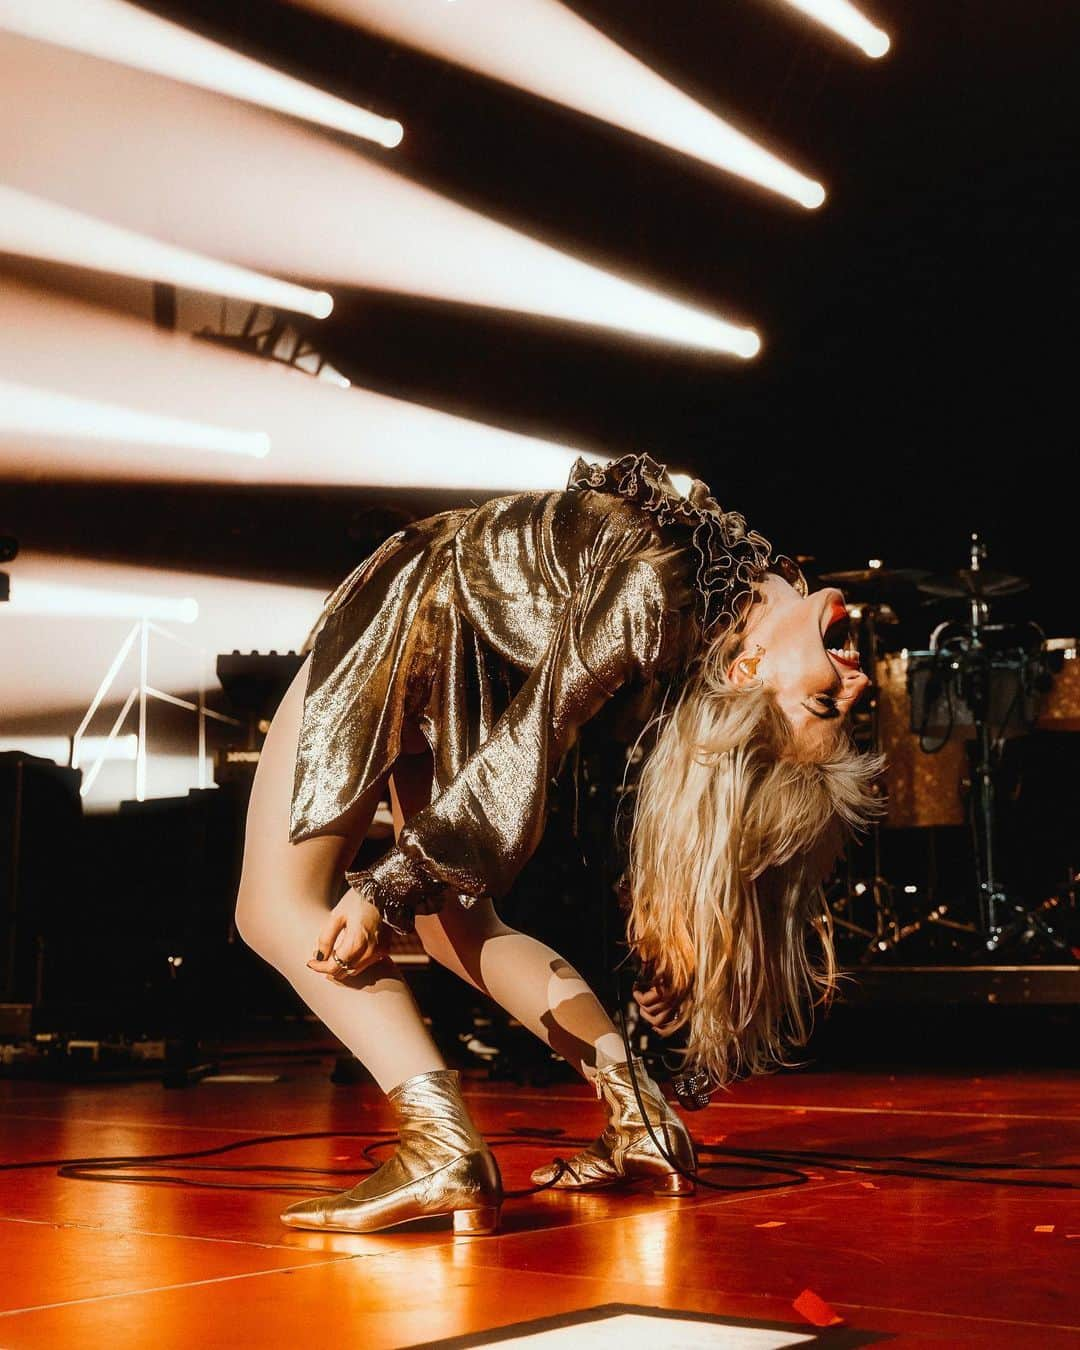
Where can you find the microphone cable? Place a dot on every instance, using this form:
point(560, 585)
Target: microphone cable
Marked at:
point(852, 1161)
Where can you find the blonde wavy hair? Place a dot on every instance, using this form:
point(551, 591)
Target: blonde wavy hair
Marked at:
point(733, 833)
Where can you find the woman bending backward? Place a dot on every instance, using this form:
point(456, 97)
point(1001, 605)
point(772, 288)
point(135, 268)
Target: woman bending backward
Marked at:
point(455, 668)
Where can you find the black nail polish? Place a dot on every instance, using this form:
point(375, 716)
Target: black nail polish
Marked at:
point(319, 956)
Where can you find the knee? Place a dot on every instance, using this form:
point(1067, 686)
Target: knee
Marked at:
point(250, 927)
point(243, 917)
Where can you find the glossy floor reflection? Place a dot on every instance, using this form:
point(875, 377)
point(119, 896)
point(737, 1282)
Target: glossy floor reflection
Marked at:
point(927, 1260)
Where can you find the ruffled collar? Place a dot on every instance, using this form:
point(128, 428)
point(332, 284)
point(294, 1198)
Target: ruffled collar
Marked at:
point(730, 557)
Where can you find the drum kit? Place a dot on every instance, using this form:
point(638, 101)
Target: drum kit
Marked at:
point(942, 716)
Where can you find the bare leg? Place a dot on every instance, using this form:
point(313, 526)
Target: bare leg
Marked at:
point(546, 994)
point(532, 982)
point(285, 892)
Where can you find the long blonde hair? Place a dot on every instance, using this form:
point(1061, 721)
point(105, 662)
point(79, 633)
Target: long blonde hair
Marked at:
point(733, 833)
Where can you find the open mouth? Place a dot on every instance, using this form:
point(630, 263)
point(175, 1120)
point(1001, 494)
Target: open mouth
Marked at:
point(839, 640)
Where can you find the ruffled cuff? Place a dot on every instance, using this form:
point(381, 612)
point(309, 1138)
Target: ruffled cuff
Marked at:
point(400, 888)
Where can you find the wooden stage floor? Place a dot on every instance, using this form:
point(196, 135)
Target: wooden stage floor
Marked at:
point(925, 1262)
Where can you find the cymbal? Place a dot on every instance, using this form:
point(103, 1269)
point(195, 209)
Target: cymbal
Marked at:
point(883, 612)
point(877, 579)
point(971, 583)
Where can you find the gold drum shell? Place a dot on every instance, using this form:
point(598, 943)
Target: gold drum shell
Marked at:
point(1060, 707)
point(923, 789)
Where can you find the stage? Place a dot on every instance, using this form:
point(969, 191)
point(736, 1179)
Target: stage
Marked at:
point(943, 1259)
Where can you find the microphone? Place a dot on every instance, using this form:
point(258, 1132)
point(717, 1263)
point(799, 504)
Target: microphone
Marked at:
point(694, 1089)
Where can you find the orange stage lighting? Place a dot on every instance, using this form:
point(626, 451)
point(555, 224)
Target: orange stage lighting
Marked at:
point(159, 387)
point(544, 47)
point(847, 22)
point(37, 228)
point(128, 35)
point(72, 629)
point(28, 414)
point(336, 216)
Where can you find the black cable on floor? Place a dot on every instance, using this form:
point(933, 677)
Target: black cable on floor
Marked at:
point(787, 1162)
point(824, 1159)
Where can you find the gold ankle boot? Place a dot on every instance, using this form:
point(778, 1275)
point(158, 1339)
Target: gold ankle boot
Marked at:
point(625, 1150)
point(441, 1166)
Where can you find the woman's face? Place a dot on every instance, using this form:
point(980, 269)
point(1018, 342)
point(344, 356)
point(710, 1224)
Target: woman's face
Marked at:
point(806, 661)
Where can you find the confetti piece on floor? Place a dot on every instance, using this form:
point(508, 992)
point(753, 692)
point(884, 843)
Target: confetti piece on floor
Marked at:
point(815, 1310)
point(868, 1185)
point(772, 1223)
point(1044, 1228)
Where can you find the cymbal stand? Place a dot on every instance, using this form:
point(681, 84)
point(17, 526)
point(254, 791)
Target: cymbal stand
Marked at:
point(1001, 917)
point(886, 931)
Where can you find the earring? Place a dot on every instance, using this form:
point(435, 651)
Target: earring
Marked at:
point(749, 664)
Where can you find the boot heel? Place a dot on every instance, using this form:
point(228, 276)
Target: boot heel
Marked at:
point(674, 1183)
point(476, 1222)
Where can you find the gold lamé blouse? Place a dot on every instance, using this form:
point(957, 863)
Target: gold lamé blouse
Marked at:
point(501, 629)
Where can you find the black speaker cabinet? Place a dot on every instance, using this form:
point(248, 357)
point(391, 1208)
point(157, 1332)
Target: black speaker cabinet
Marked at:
point(40, 835)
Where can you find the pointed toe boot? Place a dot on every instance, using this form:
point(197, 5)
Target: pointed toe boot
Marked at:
point(625, 1150)
point(441, 1166)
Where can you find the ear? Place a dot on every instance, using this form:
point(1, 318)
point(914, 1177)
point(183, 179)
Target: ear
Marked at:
point(738, 675)
point(743, 671)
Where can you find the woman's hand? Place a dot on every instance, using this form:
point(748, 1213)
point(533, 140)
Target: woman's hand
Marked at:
point(661, 1009)
point(351, 932)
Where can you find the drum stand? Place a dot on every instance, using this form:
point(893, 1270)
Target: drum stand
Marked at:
point(886, 931)
point(1002, 919)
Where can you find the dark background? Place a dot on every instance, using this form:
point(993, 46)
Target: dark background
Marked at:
point(915, 382)
point(916, 378)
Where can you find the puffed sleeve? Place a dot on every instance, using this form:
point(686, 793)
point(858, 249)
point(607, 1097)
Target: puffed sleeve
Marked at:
point(620, 622)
